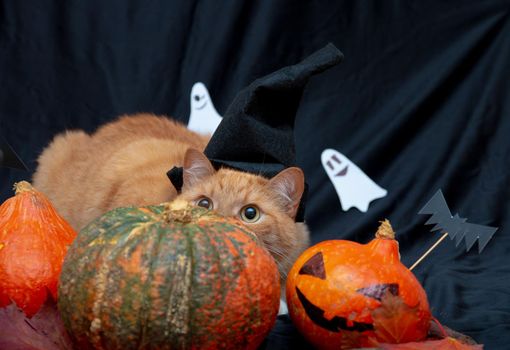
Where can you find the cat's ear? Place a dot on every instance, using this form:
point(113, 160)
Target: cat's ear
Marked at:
point(289, 185)
point(196, 167)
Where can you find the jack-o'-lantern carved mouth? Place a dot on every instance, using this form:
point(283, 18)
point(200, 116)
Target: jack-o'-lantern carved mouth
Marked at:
point(337, 323)
point(315, 267)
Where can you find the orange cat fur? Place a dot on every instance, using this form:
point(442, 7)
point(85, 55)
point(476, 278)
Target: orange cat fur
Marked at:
point(232, 192)
point(122, 163)
point(125, 163)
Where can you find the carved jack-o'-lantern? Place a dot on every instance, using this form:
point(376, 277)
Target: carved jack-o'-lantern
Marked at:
point(343, 294)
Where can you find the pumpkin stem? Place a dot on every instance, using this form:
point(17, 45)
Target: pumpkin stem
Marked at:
point(22, 186)
point(385, 230)
point(182, 215)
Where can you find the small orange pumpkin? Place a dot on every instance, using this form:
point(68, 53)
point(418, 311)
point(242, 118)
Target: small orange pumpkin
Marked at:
point(343, 294)
point(33, 242)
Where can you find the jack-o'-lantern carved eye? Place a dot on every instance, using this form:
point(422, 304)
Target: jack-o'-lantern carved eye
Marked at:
point(314, 267)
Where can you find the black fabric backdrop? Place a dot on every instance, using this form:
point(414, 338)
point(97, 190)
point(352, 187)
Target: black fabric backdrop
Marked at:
point(421, 102)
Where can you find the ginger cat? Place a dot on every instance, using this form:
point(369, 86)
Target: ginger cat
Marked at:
point(125, 163)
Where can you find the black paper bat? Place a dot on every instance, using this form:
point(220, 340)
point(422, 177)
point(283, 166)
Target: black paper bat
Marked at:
point(456, 227)
point(9, 158)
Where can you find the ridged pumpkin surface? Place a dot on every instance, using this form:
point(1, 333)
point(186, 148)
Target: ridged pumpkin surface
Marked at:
point(168, 277)
point(33, 242)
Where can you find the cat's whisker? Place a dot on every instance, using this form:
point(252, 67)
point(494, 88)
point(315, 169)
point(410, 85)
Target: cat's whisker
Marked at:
point(259, 172)
point(282, 260)
point(275, 251)
point(283, 272)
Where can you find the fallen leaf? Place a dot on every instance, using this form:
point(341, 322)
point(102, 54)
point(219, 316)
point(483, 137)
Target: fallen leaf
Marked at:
point(396, 322)
point(443, 344)
point(44, 331)
point(350, 340)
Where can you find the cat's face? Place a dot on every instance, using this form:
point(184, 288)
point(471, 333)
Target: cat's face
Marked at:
point(266, 206)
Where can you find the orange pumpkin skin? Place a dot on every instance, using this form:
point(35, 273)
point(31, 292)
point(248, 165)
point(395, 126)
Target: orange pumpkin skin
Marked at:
point(348, 287)
point(33, 242)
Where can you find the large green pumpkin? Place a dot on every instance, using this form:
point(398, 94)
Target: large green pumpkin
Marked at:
point(168, 277)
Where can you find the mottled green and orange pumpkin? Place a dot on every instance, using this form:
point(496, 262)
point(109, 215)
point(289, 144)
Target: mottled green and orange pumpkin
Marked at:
point(168, 277)
point(342, 294)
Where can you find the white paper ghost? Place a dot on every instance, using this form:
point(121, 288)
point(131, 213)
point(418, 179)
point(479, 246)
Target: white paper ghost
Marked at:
point(353, 186)
point(203, 117)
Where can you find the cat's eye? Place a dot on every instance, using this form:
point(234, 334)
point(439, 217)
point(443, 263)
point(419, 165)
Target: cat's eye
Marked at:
point(204, 202)
point(250, 213)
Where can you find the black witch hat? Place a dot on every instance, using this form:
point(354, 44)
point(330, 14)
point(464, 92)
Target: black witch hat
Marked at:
point(256, 134)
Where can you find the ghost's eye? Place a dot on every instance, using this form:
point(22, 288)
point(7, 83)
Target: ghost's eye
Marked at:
point(204, 202)
point(250, 213)
point(196, 97)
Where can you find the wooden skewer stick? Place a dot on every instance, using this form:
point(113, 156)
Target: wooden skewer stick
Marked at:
point(428, 251)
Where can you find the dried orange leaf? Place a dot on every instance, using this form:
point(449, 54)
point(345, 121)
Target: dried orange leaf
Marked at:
point(443, 344)
point(396, 322)
point(350, 340)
